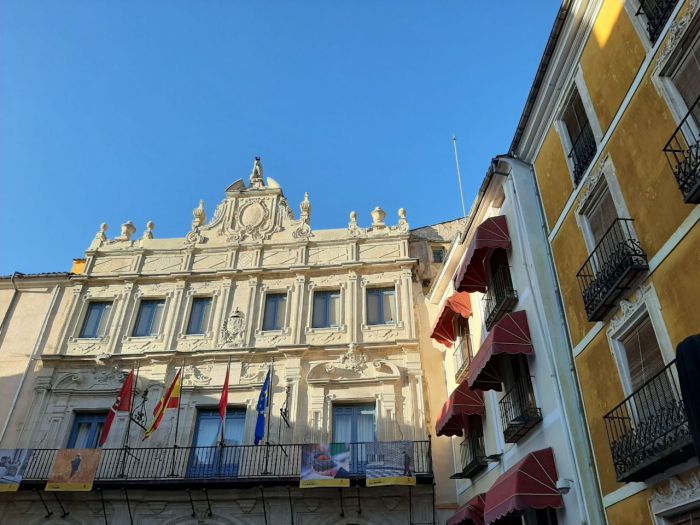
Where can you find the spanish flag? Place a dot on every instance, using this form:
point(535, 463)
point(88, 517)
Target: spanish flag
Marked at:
point(171, 399)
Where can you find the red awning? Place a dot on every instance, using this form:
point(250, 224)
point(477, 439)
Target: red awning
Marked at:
point(490, 234)
point(444, 329)
point(530, 484)
point(462, 402)
point(470, 514)
point(510, 335)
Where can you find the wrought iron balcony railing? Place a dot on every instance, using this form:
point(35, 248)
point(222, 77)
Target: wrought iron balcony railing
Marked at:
point(473, 455)
point(500, 297)
point(683, 154)
point(519, 411)
point(608, 272)
point(462, 355)
point(648, 432)
point(583, 151)
point(657, 13)
point(225, 464)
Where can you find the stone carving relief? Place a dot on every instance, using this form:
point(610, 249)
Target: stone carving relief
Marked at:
point(382, 334)
point(675, 492)
point(195, 236)
point(253, 372)
point(252, 220)
point(233, 331)
point(303, 229)
point(353, 365)
point(197, 375)
point(628, 308)
point(353, 360)
point(676, 33)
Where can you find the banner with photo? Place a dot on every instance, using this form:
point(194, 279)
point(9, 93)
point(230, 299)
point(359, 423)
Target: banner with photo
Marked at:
point(390, 464)
point(13, 464)
point(74, 469)
point(325, 465)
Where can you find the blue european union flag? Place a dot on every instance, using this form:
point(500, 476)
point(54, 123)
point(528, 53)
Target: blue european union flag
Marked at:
point(262, 408)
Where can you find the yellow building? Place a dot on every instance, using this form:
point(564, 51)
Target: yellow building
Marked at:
point(610, 132)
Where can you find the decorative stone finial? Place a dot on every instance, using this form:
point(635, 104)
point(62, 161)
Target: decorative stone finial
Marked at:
point(403, 222)
point(256, 177)
point(200, 216)
point(150, 226)
point(378, 216)
point(128, 230)
point(305, 207)
point(101, 235)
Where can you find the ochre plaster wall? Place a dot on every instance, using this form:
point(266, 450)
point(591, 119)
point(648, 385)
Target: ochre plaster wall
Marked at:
point(610, 60)
point(631, 511)
point(569, 252)
point(553, 176)
point(647, 183)
point(601, 391)
point(677, 284)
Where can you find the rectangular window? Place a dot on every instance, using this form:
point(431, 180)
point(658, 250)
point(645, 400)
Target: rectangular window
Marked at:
point(95, 323)
point(199, 315)
point(207, 457)
point(686, 78)
point(326, 312)
point(687, 518)
point(275, 308)
point(381, 306)
point(438, 255)
point(354, 423)
point(644, 358)
point(582, 140)
point(601, 214)
point(149, 318)
point(86, 430)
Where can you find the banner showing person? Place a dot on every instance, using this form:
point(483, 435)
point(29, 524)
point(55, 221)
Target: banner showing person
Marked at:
point(13, 464)
point(325, 465)
point(74, 469)
point(390, 464)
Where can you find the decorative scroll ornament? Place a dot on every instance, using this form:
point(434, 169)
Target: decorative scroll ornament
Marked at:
point(252, 220)
point(233, 331)
point(677, 491)
point(676, 33)
point(303, 229)
point(199, 215)
point(353, 360)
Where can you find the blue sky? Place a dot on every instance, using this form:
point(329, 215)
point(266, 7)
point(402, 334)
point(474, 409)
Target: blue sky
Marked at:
point(134, 110)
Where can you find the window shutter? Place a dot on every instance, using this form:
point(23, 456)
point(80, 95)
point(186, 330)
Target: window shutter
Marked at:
point(644, 357)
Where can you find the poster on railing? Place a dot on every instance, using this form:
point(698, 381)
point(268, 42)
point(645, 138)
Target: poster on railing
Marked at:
point(325, 465)
point(390, 463)
point(13, 464)
point(74, 469)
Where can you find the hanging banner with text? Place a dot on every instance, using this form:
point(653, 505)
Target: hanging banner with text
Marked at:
point(73, 469)
point(13, 464)
point(390, 463)
point(325, 465)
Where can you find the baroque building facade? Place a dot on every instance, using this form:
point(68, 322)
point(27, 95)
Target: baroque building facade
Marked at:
point(334, 314)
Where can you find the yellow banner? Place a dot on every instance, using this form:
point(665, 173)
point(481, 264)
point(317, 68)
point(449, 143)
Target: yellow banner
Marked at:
point(69, 487)
point(9, 487)
point(313, 483)
point(396, 480)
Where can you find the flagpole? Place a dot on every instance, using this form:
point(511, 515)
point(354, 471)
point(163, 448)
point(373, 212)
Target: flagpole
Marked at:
point(267, 423)
point(125, 444)
point(177, 416)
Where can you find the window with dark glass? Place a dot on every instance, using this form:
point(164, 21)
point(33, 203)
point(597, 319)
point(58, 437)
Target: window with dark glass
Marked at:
point(657, 13)
point(326, 309)
point(95, 323)
point(686, 79)
point(381, 306)
point(438, 255)
point(199, 315)
point(86, 430)
point(275, 309)
point(601, 214)
point(354, 423)
point(149, 318)
point(578, 128)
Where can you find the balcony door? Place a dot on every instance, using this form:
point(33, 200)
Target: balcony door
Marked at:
point(86, 430)
point(208, 458)
point(357, 425)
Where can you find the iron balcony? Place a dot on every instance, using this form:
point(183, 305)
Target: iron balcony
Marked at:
point(582, 152)
point(519, 412)
point(648, 432)
point(500, 297)
point(608, 272)
point(473, 456)
point(462, 356)
point(657, 13)
point(683, 154)
point(240, 465)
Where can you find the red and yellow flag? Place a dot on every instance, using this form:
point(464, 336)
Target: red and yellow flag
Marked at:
point(171, 399)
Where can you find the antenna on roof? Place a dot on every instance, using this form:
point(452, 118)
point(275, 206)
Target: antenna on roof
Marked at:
point(459, 176)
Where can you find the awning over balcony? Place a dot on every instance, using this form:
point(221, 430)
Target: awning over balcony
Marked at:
point(530, 484)
point(470, 514)
point(462, 402)
point(510, 335)
point(444, 328)
point(490, 234)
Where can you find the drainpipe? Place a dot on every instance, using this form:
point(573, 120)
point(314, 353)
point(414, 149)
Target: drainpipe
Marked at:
point(32, 356)
point(600, 514)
